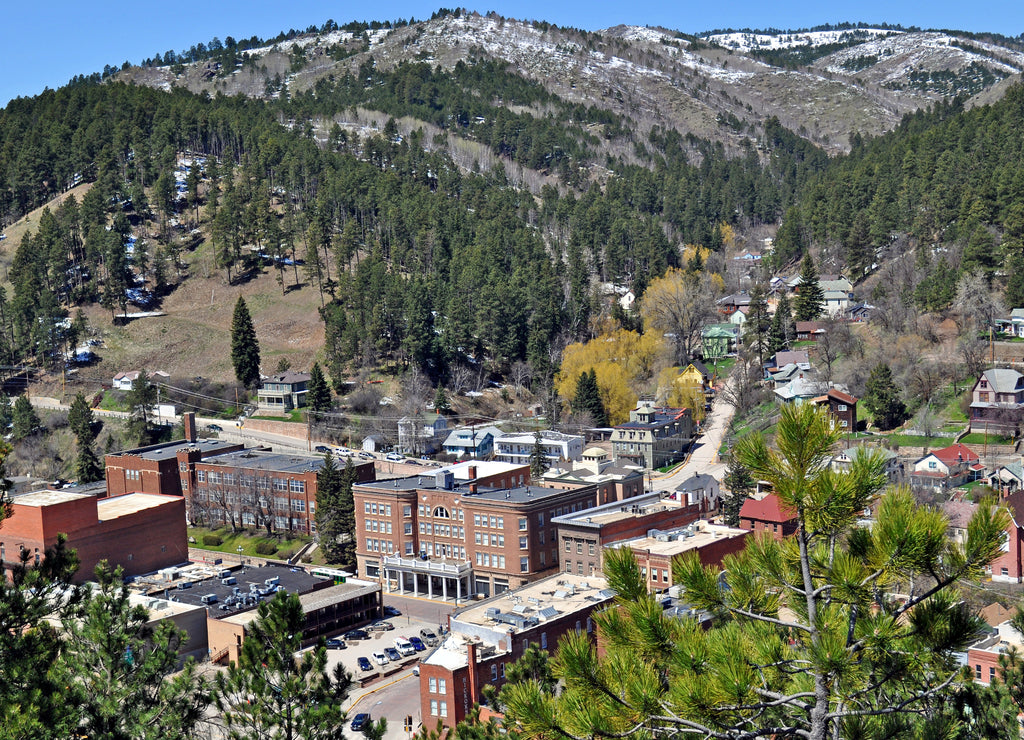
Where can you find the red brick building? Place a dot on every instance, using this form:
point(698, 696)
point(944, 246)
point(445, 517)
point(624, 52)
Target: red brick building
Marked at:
point(655, 552)
point(583, 535)
point(768, 515)
point(254, 489)
point(430, 534)
point(141, 532)
point(486, 637)
point(156, 468)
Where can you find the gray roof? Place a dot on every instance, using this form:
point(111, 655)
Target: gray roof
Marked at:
point(1002, 380)
point(518, 494)
point(698, 482)
point(276, 461)
point(169, 450)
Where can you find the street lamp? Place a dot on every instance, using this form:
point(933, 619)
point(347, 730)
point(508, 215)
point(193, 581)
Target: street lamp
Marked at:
point(240, 548)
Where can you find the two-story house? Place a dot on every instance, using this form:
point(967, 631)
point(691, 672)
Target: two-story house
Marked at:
point(653, 437)
point(947, 468)
point(842, 407)
point(555, 446)
point(280, 394)
point(997, 401)
point(472, 442)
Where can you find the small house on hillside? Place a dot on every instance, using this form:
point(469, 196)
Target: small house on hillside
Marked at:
point(123, 381)
point(280, 394)
point(997, 401)
point(768, 515)
point(947, 468)
point(842, 406)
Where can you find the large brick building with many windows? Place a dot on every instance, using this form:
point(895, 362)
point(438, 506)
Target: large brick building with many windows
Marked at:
point(433, 535)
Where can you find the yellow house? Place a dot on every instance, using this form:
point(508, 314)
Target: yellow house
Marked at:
point(694, 375)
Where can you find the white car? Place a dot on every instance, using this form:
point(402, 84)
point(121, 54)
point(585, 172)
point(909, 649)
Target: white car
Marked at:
point(394, 457)
point(380, 658)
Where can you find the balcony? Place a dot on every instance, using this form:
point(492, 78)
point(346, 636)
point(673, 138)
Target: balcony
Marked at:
point(431, 567)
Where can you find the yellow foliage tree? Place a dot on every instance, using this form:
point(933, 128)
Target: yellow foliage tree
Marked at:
point(623, 361)
point(681, 304)
point(680, 395)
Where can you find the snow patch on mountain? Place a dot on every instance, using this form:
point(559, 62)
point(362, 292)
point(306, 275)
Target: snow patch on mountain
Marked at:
point(745, 42)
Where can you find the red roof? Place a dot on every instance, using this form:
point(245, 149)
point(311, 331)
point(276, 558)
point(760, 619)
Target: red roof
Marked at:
point(955, 454)
point(768, 509)
point(841, 397)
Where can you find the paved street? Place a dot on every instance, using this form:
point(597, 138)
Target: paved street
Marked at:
point(704, 456)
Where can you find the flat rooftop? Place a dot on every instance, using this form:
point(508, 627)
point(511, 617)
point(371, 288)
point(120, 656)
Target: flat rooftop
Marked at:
point(169, 450)
point(48, 498)
point(259, 460)
point(484, 468)
point(515, 495)
point(228, 602)
point(682, 539)
point(545, 599)
point(631, 508)
point(130, 503)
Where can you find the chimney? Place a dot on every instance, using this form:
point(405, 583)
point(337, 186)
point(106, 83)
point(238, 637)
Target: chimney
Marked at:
point(472, 488)
point(188, 420)
point(471, 657)
point(472, 472)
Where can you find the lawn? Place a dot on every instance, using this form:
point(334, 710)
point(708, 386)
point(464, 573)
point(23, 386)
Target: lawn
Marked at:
point(980, 438)
point(722, 367)
point(293, 416)
point(113, 401)
point(917, 440)
point(231, 541)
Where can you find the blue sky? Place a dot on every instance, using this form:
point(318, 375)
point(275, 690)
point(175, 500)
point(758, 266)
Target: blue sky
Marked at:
point(44, 45)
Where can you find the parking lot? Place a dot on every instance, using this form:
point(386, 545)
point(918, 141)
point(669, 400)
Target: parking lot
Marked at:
point(391, 690)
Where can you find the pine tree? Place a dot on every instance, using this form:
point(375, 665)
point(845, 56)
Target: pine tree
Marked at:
point(882, 399)
point(24, 419)
point(441, 403)
point(835, 631)
point(141, 399)
point(88, 468)
point(121, 671)
point(810, 300)
point(758, 324)
point(588, 398)
point(329, 525)
point(781, 331)
point(538, 460)
point(245, 348)
point(80, 419)
point(273, 690)
point(740, 484)
point(319, 395)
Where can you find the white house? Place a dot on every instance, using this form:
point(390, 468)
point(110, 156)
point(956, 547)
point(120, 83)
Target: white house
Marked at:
point(475, 442)
point(517, 448)
point(123, 381)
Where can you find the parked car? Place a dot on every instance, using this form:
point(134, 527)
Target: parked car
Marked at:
point(380, 658)
point(394, 457)
point(381, 626)
point(428, 636)
point(365, 664)
point(215, 428)
point(393, 655)
point(417, 643)
point(335, 644)
point(366, 455)
point(357, 635)
point(359, 721)
point(322, 449)
point(404, 647)
point(390, 611)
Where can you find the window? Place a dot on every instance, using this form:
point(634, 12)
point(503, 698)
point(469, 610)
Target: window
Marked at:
point(991, 674)
point(433, 707)
point(229, 479)
point(442, 686)
point(408, 548)
point(544, 640)
point(494, 521)
point(432, 685)
point(844, 423)
point(932, 465)
point(1006, 571)
point(540, 537)
point(501, 522)
point(387, 510)
point(373, 508)
point(522, 523)
point(366, 507)
point(540, 519)
point(568, 546)
point(664, 575)
point(523, 544)
point(977, 671)
point(408, 528)
point(543, 560)
point(297, 486)
point(444, 709)
point(568, 566)
point(841, 407)
point(440, 512)
point(494, 671)
point(298, 504)
point(201, 476)
point(476, 520)
point(184, 484)
point(524, 565)
point(590, 548)
point(579, 548)
point(407, 511)
point(279, 484)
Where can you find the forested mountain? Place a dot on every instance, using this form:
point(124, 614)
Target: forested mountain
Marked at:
point(455, 190)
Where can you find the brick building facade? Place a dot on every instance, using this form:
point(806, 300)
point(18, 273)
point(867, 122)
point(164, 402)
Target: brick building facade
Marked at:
point(140, 532)
point(768, 515)
point(434, 535)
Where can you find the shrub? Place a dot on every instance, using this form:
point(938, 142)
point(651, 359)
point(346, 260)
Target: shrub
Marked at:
point(266, 547)
point(212, 540)
point(286, 554)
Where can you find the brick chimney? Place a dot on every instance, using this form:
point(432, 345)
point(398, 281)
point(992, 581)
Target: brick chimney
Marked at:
point(471, 657)
point(188, 420)
point(472, 472)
